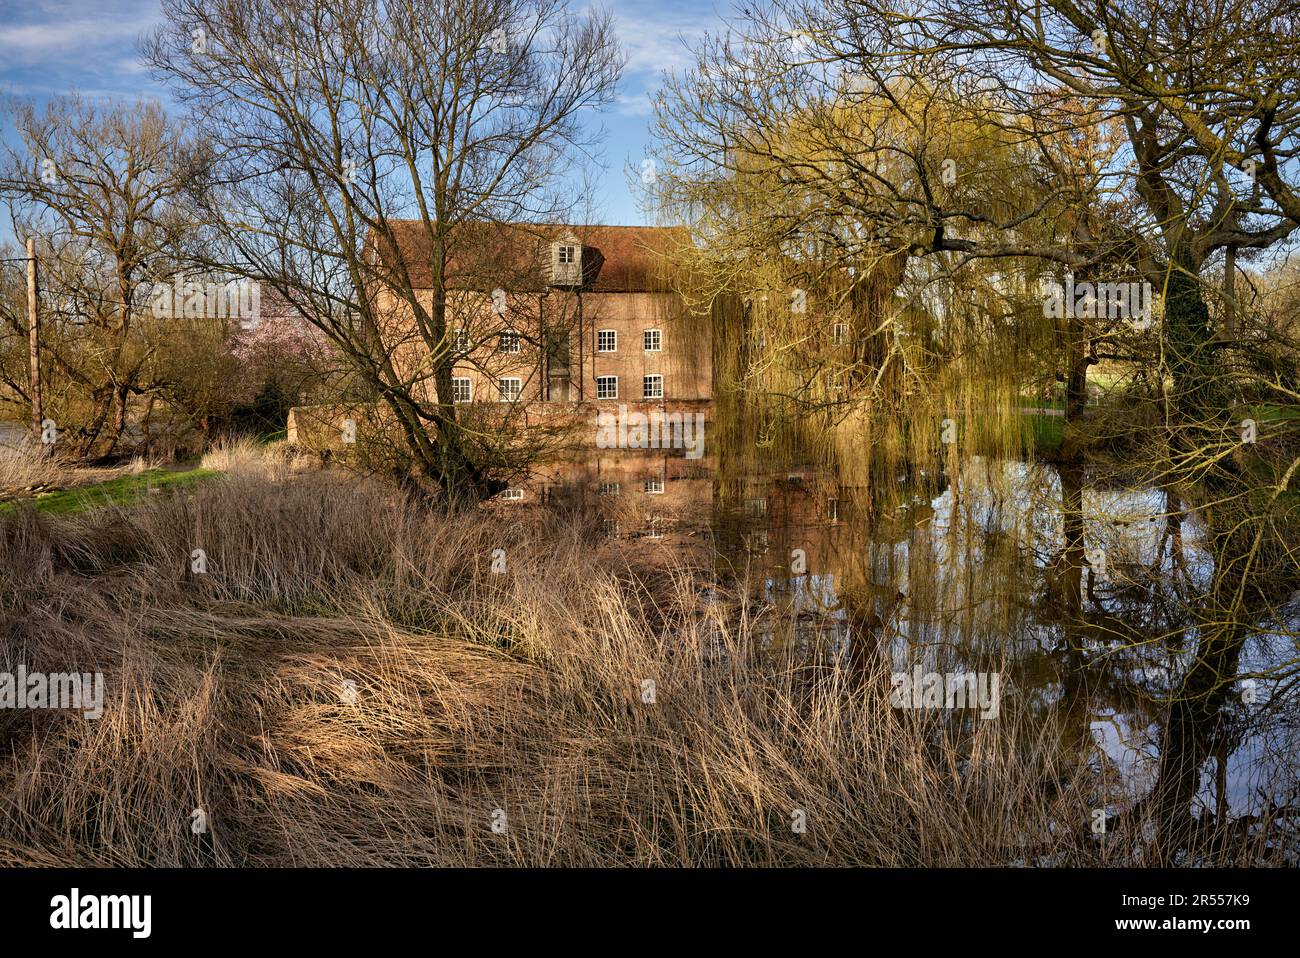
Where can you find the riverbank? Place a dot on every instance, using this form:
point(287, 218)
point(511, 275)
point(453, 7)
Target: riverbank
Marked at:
point(355, 680)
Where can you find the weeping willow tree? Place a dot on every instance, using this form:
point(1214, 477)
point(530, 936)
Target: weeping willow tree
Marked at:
point(919, 172)
point(1197, 116)
point(874, 251)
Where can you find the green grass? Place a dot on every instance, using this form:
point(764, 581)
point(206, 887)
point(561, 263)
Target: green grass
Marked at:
point(117, 491)
point(1269, 412)
point(1047, 431)
point(1039, 431)
point(1034, 402)
point(1107, 381)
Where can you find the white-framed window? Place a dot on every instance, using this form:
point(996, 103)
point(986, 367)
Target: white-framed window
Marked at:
point(460, 340)
point(609, 488)
point(607, 340)
point(840, 334)
point(512, 495)
point(833, 509)
point(567, 254)
point(460, 389)
point(652, 387)
point(758, 542)
point(610, 527)
point(606, 387)
point(509, 388)
point(652, 529)
point(654, 486)
point(756, 507)
point(652, 340)
point(509, 342)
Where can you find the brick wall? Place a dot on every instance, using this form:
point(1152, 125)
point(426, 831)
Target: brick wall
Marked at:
point(684, 359)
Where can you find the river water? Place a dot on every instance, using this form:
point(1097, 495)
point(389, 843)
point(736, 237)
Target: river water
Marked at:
point(1092, 597)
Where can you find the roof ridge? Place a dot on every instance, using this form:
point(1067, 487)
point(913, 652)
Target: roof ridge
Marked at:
point(525, 224)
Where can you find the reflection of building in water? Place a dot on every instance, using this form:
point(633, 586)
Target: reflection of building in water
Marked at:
point(653, 494)
point(769, 516)
point(647, 494)
point(995, 580)
point(817, 570)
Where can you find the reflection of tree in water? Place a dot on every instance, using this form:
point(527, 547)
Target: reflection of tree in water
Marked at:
point(1152, 644)
point(1119, 680)
point(1203, 720)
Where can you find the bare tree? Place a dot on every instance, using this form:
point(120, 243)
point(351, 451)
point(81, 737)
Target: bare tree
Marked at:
point(330, 122)
point(102, 189)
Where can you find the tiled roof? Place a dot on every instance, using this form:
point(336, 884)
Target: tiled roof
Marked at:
point(485, 255)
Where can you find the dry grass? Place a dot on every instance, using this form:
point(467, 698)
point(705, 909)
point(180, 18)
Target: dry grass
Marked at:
point(22, 468)
point(243, 456)
point(475, 691)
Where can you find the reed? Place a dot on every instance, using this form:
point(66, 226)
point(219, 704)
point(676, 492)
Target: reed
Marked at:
point(476, 692)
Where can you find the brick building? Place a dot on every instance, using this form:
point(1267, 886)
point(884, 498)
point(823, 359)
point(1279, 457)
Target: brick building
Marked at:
point(557, 314)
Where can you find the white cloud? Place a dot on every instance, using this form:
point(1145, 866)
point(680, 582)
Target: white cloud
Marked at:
point(637, 104)
point(656, 39)
point(65, 40)
point(658, 42)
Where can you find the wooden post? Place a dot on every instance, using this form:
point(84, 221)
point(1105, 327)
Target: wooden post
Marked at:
point(34, 343)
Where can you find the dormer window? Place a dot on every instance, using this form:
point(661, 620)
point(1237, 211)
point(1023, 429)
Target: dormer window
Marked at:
point(565, 262)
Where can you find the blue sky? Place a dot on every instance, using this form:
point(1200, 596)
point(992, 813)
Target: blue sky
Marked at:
point(49, 47)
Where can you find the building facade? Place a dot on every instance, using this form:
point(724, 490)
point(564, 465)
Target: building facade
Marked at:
point(559, 314)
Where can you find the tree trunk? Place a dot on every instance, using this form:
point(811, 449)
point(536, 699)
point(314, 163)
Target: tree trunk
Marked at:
point(120, 398)
point(1072, 334)
point(103, 403)
point(1189, 344)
